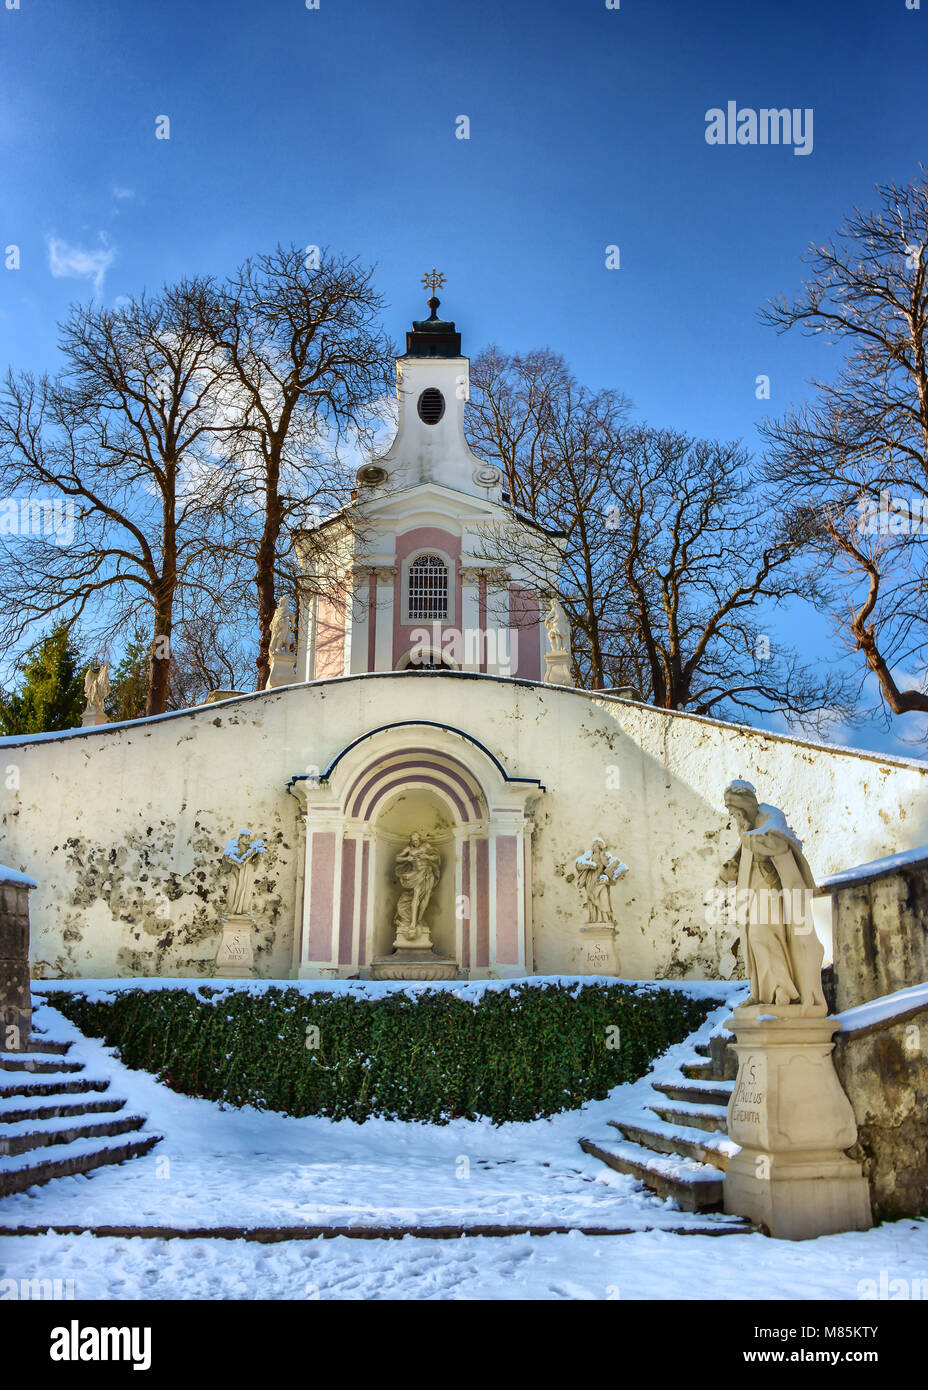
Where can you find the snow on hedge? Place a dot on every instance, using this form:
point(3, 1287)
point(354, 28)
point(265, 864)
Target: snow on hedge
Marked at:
point(379, 989)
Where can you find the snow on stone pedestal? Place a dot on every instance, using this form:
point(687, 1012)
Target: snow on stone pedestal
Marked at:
point(793, 1122)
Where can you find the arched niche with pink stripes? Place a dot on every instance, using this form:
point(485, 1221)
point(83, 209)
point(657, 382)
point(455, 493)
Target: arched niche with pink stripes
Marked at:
point(361, 811)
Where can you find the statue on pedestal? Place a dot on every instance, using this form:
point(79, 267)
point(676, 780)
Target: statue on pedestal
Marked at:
point(557, 660)
point(597, 870)
point(783, 956)
point(281, 647)
point(96, 689)
point(418, 869)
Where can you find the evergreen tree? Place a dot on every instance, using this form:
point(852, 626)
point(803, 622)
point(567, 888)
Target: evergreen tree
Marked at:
point(51, 696)
point(129, 683)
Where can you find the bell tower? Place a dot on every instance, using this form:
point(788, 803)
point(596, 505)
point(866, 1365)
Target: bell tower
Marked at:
point(432, 389)
point(436, 569)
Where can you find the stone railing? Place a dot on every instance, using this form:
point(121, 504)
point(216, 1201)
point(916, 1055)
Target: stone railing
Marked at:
point(881, 1057)
point(15, 995)
point(879, 927)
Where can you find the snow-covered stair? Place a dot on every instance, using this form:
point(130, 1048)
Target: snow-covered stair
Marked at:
point(55, 1120)
point(682, 1152)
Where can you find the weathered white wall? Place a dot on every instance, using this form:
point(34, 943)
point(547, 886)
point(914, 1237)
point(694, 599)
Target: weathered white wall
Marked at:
point(124, 826)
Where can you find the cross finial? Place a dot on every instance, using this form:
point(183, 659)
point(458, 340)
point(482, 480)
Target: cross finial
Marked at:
point(433, 280)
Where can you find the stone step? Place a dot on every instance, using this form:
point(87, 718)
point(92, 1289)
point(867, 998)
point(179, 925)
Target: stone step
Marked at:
point(709, 1117)
point(25, 1135)
point(29, 1061)
point(64, 1160)
point(43, 1044)
point(52, 1084)
point(18, 1108)
point(699, 1071)
point(271, 1235)
point(693, 1186)
point(702, 1092)
point(679, 1141)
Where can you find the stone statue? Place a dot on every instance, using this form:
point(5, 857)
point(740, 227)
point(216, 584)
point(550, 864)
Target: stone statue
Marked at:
point(96, 688)
point(783, 956)
point(597, 870)
point(555, 628)
point(418, 869)
point(282, 637)
point(241, 857)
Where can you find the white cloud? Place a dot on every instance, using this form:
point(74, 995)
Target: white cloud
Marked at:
point(120, 192)
point(73, 262)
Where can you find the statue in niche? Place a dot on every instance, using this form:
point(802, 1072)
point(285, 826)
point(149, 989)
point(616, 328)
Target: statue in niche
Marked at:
point(597, 871)
point(418, 869)
point(282, 637)
point(241, 857)
point(783, 956)
point(96, 689)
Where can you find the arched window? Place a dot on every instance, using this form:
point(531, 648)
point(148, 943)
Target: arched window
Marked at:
point(428, 589)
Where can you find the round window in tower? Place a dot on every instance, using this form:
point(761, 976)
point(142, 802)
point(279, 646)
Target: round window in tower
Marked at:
point(431, 406)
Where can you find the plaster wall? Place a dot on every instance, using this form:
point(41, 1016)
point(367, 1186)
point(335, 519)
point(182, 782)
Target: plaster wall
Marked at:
point(123, 826)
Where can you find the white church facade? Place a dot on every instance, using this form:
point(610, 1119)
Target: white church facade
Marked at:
point(420, 780)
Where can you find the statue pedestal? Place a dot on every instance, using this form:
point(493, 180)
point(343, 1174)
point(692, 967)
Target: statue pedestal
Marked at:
point(793, 1121)
point(598, 951)
point(235, 959)
point(414, 963)
point(283, 670)
point(557, 668)
point(92, 717)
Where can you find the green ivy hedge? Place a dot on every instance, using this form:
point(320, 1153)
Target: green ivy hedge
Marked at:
point(509, 1054)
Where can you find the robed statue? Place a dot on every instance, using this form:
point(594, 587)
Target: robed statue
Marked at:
point(418, 869)
point(241, 860)
point(96, 689)
point(783, 955)
point(597, 871)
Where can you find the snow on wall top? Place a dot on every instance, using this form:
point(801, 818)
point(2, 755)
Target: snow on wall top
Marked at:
point(884, 1009)
point(14, 876)
point(875, 869)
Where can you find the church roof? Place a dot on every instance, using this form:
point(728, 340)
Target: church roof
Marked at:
point(433, 337)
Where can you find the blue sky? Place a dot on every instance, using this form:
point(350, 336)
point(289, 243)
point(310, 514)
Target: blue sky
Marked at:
point(336, 127)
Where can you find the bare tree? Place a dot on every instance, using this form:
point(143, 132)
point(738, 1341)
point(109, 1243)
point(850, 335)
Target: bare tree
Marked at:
point(706, 560)
point(123, 441)
point(555, 442)
point(672, 551)
point(306, 360)
point(856, 460)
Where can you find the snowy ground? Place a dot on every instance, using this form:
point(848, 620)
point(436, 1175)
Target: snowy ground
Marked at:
point(246, 1168)
point(652, 1265)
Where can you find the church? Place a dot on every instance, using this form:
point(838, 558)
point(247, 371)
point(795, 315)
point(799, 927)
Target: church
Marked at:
point(420, 792)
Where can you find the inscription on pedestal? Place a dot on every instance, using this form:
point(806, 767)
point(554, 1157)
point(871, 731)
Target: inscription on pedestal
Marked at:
point(750, 1092)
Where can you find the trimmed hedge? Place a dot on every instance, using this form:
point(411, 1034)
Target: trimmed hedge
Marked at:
point(509, 1054)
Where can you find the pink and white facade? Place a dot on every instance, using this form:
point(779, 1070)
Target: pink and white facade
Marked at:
point(430, 577)
point(428, 574)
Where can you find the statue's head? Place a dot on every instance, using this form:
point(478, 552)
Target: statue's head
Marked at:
point(741, 801)
point(415, 838)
